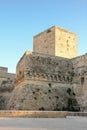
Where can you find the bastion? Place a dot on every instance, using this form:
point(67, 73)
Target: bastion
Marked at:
point(52, 77)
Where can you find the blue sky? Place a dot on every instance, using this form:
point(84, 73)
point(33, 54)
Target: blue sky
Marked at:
point(20, 20)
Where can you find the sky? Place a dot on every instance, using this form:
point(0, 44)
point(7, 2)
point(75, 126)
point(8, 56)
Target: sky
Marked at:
point(20, 20)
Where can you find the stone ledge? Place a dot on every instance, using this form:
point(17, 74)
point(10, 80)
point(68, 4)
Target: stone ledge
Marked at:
point(40, 114)
point(77, 114)
point(33, 114)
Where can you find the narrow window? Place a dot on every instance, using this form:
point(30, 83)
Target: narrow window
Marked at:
point(82, 80)
point(49, 84)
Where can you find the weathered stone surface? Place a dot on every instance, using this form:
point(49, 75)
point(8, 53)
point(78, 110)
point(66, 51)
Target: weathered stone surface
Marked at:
point(41, 97)
point(56, 41)
point(6, 86)
point(45, 81)
point(80, 67)
point(37, 67)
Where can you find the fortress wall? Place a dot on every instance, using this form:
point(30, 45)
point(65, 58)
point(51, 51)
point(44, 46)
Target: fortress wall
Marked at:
point(40, 96)
point(48, 68)
point(80, 61)
point(6, 87)
point(43, 79)
point(47, 64)
point(21, 66)
point(80, 65)
point(7, 75)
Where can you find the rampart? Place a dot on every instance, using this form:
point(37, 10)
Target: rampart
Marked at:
point(41, 79)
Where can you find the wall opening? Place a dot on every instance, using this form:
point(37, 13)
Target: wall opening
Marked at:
point(49, 30)
point(49, 84)
point(82, 80)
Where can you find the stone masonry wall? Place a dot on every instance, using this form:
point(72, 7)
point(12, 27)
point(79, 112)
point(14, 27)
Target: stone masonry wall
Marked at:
point(47, 68)
point(56, 41)
point(80, 65)
point(42, 96)
point(44, 42)
point(65, 43)
point(6, 86)
point(5, 76)
point(43, 82)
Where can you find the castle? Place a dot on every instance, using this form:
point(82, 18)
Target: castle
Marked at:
point(52, 77)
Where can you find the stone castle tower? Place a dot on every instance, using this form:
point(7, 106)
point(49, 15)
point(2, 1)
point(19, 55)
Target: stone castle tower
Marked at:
point(57, 42)
point(52, 77)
